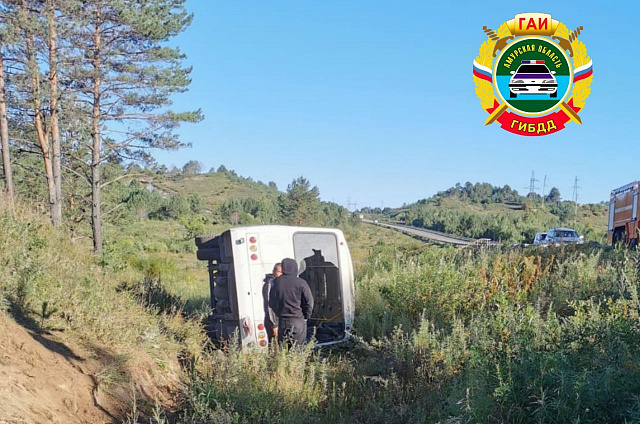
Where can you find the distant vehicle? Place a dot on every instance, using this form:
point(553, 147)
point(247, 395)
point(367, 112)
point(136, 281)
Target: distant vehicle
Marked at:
point(540, 239)
point(533, 77)
point(563, 235)
point(240, 258)
point(623, 216)
point(375, 221)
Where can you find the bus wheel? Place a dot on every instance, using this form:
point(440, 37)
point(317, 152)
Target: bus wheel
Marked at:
point(633, 244)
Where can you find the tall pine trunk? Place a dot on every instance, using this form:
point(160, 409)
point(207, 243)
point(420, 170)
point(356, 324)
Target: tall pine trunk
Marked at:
point(4, 137)
point(56, 211)
point(96, 214)
point(43, 137)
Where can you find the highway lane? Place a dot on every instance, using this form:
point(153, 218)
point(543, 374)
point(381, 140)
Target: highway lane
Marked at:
point(429, 235)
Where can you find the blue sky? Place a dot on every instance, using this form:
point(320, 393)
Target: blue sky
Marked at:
point(374, 101)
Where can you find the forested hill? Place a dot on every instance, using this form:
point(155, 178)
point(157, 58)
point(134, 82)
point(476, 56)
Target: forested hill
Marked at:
point(214, 187)
point(228, 198)
point(177, 205)
point(482, 210)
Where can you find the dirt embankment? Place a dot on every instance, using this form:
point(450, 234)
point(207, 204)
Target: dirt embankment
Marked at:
point(43, 380)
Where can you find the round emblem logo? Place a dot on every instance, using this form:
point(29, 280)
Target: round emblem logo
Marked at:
point(532, 75)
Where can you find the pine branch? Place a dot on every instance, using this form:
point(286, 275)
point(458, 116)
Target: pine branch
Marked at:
point(120, 178)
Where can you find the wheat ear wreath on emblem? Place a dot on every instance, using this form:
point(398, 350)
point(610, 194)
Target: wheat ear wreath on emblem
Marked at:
point(498, 40)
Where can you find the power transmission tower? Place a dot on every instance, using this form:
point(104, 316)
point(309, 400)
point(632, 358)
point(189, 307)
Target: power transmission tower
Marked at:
point(532, 184)
point(575, 199)
point(544, 188)
point(350, 204)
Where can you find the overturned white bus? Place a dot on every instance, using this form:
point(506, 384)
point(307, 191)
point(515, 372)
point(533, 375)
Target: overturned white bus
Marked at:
point(239, 260)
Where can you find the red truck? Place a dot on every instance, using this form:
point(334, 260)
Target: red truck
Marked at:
point(623, 216)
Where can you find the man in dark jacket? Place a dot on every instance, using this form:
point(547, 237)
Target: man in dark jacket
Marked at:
point(291, 300)
point(270, 317)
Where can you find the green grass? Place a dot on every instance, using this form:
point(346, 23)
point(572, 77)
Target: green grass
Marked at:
point(446, 335)
point(363, 239)
point(441, 335)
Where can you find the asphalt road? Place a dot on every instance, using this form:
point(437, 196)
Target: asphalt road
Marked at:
point(429, 235)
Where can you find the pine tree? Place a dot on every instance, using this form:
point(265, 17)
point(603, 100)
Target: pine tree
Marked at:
point(30, 24)
point(301, 205)
point(126, 79)
point(36, 103)
point(554, 195)
point(4, 135)
point(192, 167)
point(4, 123)
point(54, 125)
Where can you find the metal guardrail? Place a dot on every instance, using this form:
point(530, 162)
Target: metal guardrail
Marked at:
point(431, 235)
point(485, 243)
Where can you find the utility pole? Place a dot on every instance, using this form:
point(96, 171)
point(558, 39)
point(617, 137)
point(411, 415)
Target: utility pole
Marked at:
point(575, 199)
point(544, 188)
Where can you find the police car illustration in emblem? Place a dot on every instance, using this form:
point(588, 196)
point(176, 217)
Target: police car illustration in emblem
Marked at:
point(533, 77)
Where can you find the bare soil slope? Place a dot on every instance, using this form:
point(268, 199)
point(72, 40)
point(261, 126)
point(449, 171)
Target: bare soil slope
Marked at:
point(44, 381)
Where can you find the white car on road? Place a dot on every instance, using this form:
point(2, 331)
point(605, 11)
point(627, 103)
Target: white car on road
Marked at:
point(563, 235)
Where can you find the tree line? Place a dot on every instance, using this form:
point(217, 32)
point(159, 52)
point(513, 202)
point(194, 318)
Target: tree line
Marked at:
point(85, 88)
point(436, 214)
point(484, 193)
point(299, 205)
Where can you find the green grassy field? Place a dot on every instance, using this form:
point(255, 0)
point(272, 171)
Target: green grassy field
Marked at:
point(215, 188)
point(451, 336)
point(441, 335)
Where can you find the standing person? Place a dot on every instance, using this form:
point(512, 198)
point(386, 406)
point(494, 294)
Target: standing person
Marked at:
point(270, 318)
point(291, 300)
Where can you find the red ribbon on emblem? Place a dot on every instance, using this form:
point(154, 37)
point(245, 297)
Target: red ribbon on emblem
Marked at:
point(533, 125)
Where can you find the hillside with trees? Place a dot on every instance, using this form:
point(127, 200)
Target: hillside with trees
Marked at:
point(500, 213)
